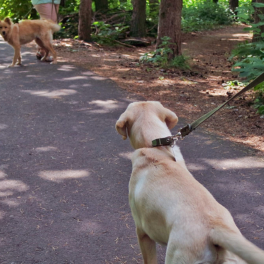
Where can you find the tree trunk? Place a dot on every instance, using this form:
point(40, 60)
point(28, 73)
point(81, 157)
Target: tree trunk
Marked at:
point(138, 21)
point(170, 25)
point(101, 5)
point(85, 16)
point(259, 11)
point(233, 4)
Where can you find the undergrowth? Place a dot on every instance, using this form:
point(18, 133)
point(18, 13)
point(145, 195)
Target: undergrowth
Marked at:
point(160, 57)
point(248, 57)
point(205, 15)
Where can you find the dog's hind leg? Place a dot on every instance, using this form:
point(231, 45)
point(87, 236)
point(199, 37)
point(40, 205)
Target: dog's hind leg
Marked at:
point(180, 253)
point(148, 247)
point(47, 44)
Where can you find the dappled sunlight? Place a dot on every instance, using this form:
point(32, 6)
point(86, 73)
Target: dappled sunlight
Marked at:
point(3, 126)
point(126, 155)
point(106, 106)
point(46, 149)
point(51, 94)
point(88, 73)
point(98, 78)
point(9, 187)
point(237, 163)
point(196, 166)
point(96, 55)
point(2, 174)
point(74, 86)
point(33, 76)
point(74, 78)
point(62, 175)
point(11, 202)
point(66, 68)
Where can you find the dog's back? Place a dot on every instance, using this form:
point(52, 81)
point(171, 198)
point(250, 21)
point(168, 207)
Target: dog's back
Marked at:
point(178, 210)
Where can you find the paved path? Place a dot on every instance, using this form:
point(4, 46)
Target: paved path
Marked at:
point(64, 170)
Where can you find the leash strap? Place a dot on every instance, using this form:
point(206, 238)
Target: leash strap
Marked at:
point(190, 127)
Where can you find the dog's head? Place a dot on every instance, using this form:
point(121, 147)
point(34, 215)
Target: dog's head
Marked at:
point(5, 26)
point(143, 122)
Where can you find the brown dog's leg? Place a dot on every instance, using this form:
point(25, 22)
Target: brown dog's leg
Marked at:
point(19, 59)
point(46, 43)
point(45, 55)
point(17, 56)
point(49, 47)
point(148, 248)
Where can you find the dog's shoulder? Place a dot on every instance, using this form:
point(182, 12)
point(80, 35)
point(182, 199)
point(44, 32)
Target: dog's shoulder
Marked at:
point(145, 157)
point(146, 154)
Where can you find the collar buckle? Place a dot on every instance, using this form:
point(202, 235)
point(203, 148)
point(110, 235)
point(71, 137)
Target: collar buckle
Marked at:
point(167, 141)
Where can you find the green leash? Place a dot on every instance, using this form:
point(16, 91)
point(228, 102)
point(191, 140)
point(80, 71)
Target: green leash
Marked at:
point(190, 127)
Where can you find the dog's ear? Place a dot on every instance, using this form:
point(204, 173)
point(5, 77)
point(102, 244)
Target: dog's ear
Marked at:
point(170, 118)
point(121, 126)
point(8, 20)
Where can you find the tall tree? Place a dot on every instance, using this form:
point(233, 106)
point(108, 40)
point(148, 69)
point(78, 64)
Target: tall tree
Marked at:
point(170, 24)
point(85, 17)
point(233, 4)
point(258, 17)
point(101, 5)
point(138, 21)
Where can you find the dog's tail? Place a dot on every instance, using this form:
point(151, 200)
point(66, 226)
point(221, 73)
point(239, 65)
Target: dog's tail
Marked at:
point(53, 26)
point(237, 244)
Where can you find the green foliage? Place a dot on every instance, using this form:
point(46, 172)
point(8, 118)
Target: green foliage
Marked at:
point(16, 9)
point(249, 57)
point(69, 19)
point(259, 102)
point(203, 15)
point(107, 34)
point(70, 7)
point(245, 13)
point(160, 57)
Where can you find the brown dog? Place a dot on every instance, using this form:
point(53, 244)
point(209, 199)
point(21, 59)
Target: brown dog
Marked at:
point(169, 206)
point(27, 30)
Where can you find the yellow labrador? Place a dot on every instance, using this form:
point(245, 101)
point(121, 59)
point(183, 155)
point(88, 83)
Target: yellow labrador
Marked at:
point(169, 206)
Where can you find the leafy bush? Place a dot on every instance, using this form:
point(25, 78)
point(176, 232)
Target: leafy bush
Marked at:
point(106, 33)
point(16, 9)
point(259, 101)
point(249, 57)
point(205, 15)
point(160, 57)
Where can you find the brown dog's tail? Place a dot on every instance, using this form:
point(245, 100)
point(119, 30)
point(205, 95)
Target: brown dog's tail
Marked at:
point(53, 26)
point(237, 244)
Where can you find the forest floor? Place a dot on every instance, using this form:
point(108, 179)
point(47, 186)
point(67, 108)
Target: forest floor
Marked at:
point(190, 93)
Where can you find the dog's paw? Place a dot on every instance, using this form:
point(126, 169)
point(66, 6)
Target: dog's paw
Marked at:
point(11, 65)
point(53, 62)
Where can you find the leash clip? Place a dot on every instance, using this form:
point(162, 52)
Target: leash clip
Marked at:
point(175, 138)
